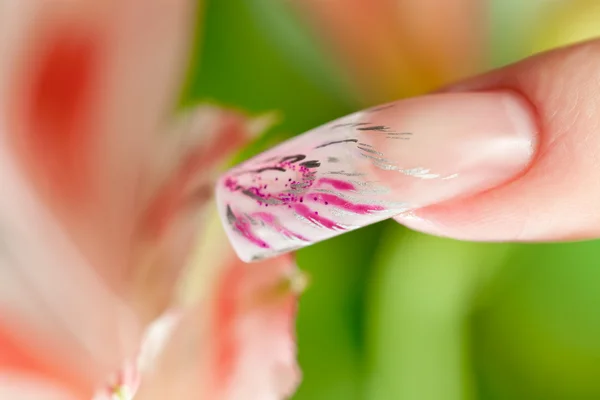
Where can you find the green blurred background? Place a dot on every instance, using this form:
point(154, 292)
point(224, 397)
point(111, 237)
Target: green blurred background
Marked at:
point(392, 314)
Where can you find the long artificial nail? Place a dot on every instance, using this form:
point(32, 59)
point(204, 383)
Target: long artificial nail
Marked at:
point(373, 165)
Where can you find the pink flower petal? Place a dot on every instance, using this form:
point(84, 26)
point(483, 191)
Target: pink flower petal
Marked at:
point(84, 86)
point(181, 183)
point(400, 48)
point(238, 342)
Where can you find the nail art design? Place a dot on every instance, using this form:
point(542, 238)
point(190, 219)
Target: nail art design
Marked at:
point(314, 187)
point(370, 166)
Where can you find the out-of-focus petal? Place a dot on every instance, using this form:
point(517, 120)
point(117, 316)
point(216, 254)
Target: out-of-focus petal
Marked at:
point(19, 387)
point(400, 48)
point(238, 342)
point(20, 368)
point(180, 184)
point(87, 91)
point(122, 385)
point(177, 186)
point(55, 309)
point(83, 87)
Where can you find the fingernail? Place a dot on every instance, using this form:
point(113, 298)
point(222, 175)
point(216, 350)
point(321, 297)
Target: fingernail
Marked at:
point(373, 165)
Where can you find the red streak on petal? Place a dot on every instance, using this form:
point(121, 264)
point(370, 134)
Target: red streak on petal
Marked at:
point(244, 293)
point(225, 317)
point(15, 357)
point(60, 98)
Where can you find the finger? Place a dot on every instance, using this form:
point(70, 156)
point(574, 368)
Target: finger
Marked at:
point(373, 165)
point(558, 196)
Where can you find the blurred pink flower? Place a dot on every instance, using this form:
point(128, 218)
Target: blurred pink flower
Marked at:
point(397, 48)
point(100, 211)
point(245, 334)
point(231, 337)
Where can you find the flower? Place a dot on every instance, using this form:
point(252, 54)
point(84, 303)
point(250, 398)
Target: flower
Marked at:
point(400, 48)
point(242, 323)
point(100, 210)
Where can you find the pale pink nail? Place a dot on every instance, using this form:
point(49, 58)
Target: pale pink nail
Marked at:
point(373, 165)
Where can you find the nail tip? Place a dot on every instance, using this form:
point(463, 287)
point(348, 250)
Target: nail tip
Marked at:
point(299, 193)
point(344, 174)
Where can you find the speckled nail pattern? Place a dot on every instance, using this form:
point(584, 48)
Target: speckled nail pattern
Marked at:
point(310, 188)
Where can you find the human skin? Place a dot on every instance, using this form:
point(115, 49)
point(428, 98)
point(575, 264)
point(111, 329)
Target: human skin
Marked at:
point(550, 194)
point(511, 155)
